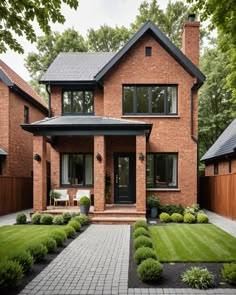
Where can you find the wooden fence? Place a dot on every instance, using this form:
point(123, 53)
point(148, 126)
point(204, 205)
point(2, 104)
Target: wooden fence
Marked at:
point(218, 194)
point(16, 193)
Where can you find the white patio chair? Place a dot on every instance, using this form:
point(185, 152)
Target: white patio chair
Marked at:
point(80, 194)
point(64, 197)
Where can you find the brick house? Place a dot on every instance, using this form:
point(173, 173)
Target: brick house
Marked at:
point(19, 104)
point(130, 116)
point(220, 159)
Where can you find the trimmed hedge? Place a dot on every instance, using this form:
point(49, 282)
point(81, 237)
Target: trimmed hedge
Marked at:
point(38, 252)
point(140, 223)
point(202, 218)
point(229, 273)
point(144, 253)
point(82, 219)
point(10, 273)
point(59, 236)
point(36, 218)
point(176, 217)
point(150, 270)
point(58, 220)
point(142, 241)
point(140, 232)
point(75, 224)
point(21, 218)
point(50, 244)
point(70, 231)
point(46, 219)
point(25, 260)
point(67, 217)
point(164, 217)
point(189, 218)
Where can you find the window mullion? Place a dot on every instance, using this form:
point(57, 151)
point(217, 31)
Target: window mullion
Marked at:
point(135, 100)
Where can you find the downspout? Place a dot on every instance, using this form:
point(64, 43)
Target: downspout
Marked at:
point(193, 137)
point(49, 100)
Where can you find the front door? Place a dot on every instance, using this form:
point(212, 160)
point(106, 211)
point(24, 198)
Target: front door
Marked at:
point(124, 172)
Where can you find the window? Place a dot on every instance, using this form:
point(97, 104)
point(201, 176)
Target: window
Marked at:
point(161, 171)
point(77, 102)
point(76, 169)
point(148, 51)
point(215, 168)
point(26, 115)
point(156, 99)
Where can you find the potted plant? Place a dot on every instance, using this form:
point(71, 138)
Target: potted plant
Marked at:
point(152, 204)
point(53, 195)
point(84, 204)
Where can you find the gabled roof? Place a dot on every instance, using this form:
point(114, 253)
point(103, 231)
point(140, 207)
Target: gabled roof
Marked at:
point(164, 41)
point(76, 66)
point(14, 81)
point(224, 145)
point(91, 67)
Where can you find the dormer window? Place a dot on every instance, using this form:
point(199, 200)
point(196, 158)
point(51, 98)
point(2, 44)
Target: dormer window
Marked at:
point(77, 102)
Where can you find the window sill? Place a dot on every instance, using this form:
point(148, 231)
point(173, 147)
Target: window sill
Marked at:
point(150, 116)
point(163, 189)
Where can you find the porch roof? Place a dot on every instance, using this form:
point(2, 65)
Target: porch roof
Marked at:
point(87, 125)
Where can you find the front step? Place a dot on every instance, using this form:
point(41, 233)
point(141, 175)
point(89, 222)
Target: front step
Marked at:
point(116, 213)
point(116, 220)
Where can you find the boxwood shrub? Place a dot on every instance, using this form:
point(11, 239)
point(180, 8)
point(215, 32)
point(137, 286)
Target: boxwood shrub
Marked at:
point(189, 218)
point(58, 220)
point(165, 217)
point(38, 251)
point(140, 223)
point(144, 253)
point(66, 216)
point(176, 217)
point(142, 241)
point(21, 218)
point(50, 244)
point(150, 270)
point(75, 224)
point(70, 231)
point(202, 218)
point(46, 219)
point(84, 201)
point(140, 232)
point(83, 219)
point(10, 273)
point(59, 236)
point(198, 278)
point(24, 258)
point(36, 218)
point(229, 273)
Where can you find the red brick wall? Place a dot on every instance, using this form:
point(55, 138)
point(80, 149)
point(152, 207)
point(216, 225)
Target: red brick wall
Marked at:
point(17, 142)
point(168, 134)
point(223, 168)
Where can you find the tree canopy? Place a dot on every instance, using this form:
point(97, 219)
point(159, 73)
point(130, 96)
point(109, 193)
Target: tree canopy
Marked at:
point(16, 18)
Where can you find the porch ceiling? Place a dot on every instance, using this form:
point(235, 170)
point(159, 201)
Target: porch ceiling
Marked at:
point(87, 125)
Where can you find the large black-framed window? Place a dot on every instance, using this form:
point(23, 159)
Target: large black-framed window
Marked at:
point(78, 102)
point(76, 169)
point(150, 99)
point(162, 170)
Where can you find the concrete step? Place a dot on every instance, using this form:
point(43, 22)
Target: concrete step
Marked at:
point(116, 220)
point(119, 213)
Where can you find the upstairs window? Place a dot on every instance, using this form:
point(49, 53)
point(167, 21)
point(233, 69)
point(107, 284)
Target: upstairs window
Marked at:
point(152, 100)
point(26, 115)
point(148, 51)
point(77, 102)
point(216, 168)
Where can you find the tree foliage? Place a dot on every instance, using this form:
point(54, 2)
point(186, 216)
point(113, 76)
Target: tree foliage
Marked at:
point(16, 18)
point(107, 38)
point(216, 106)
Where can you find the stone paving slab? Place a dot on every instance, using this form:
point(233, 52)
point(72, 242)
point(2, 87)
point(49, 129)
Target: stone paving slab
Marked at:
point(10, 219)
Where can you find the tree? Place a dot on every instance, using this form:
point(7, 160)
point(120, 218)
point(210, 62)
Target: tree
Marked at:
point(16, 18)
point(170, 21)
point(48, 47)
point(107, 38)
point(216, 106)
point(222, 14)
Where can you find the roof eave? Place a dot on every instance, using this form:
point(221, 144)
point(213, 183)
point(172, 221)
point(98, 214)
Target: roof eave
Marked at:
point(219, 157)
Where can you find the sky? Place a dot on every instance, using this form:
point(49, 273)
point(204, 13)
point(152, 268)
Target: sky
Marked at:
point(90, 14)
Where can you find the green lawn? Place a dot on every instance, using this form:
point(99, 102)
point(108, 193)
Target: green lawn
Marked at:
point(18, 237)
point(197, 242)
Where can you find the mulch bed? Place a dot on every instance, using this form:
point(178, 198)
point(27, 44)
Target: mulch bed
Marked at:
point(171, 276)
point(37, 268)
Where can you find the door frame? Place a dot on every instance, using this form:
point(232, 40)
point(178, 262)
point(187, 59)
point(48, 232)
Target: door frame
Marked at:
point(132, 176)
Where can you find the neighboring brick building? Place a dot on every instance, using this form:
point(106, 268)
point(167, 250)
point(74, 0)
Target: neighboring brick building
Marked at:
point(130, 115)
point(19, 104)
point(220, 159)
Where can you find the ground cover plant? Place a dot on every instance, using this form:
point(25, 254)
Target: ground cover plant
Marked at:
point(198, 278)
point(192, 243)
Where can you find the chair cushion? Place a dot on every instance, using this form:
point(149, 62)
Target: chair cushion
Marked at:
point(82, 193)
point(62, 192)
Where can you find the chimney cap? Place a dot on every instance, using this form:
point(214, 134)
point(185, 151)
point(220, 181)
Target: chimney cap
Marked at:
point(192, 17)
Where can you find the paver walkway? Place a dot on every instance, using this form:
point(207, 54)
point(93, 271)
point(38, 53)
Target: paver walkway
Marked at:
point(10, 219)
point(224, 223)
point(97, 262)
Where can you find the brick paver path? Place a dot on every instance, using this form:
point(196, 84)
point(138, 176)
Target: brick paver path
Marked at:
point(97, 262)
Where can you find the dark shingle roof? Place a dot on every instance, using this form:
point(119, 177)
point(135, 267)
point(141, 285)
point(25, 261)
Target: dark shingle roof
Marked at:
point(76, 66)
point(224, 145)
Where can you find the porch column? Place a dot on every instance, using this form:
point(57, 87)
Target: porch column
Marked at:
point(99, 172)
point(40, 173)
point(140, 173)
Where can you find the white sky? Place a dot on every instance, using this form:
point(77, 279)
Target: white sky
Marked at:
point(90, 14)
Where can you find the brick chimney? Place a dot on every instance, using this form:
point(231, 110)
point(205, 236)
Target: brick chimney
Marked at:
point(190, 39)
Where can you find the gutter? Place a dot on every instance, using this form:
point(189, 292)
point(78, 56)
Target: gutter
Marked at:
point(49, 99)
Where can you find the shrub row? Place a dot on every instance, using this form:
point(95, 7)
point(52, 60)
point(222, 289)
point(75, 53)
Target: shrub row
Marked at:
point(186, 218)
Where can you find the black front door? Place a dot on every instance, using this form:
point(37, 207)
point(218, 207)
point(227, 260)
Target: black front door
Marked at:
point(124, 172)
